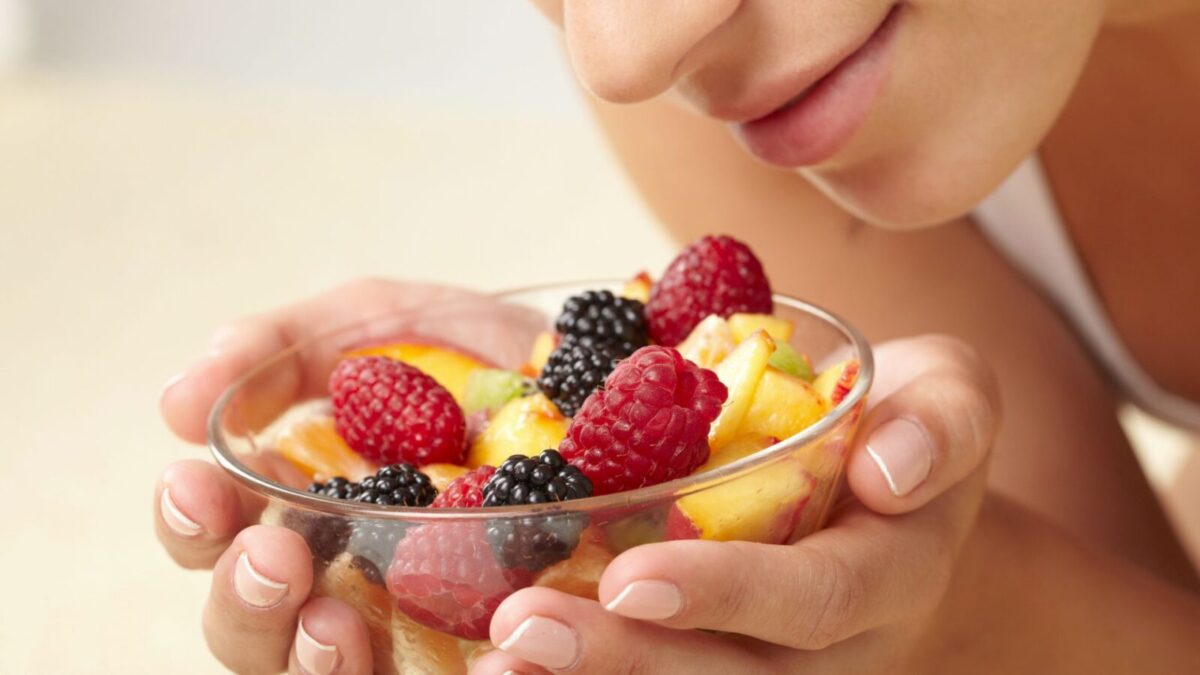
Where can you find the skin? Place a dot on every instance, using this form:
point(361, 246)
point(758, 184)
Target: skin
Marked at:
point(938, 580)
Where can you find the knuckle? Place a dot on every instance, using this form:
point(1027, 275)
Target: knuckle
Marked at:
point(837, 589)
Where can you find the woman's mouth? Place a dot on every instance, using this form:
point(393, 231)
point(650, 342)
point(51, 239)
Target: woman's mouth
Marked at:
point(817, 122)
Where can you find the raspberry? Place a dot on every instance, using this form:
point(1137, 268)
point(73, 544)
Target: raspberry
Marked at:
point(538, 541)
point(445, 577)
point(390, 412)
point(574, 371)
point(649, 424)
point(716, 275)
point(466, 491)
point(601, 319)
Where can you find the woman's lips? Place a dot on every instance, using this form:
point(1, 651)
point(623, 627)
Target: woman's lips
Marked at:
point(816, 123)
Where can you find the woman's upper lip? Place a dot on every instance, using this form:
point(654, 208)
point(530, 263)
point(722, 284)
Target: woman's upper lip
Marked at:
point(783, 91)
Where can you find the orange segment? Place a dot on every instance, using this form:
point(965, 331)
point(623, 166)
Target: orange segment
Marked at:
point(450, 368)
point(441, 475)
point(580, 574)
point(315, 448)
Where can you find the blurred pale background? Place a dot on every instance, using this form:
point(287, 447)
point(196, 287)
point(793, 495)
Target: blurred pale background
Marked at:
point(168, 165)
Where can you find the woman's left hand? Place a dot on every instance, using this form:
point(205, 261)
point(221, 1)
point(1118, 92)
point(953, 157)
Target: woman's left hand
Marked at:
point(855, 597)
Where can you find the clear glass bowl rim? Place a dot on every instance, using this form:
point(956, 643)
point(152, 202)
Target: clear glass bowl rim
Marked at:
point(669, 490)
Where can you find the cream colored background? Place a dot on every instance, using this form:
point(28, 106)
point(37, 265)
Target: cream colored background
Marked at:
point(149, 192)
point(168, 165)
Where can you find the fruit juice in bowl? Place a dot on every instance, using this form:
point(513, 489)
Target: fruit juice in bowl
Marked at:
point(438, 460)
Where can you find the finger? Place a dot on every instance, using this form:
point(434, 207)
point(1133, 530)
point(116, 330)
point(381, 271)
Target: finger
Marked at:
point(361, 312)
point(258, 586)
point(563, 633)
point(862, 572)
point(932, 425)
point(197, 512)
point(497, 662)
point(330, 638)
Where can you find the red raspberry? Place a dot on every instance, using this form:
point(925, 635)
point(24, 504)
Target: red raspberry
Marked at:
point(649, 424)
point(390, 412)
point(716, 275)
point(445, 576)
point(466, 491)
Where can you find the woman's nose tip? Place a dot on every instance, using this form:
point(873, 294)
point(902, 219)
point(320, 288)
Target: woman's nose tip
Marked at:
point(631, 50)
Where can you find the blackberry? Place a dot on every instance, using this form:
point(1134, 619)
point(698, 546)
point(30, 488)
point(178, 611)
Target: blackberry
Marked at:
point(573, 371)
point(326, 535)
point(397, 485)
point(535, 542)
point(601, 319)
point(373, 543)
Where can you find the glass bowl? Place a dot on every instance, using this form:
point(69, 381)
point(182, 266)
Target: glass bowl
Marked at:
point(428, 599)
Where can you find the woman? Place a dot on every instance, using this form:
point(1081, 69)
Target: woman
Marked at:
point(791, 124)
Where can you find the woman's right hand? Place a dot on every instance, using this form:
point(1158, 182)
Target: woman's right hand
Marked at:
point(259, 617)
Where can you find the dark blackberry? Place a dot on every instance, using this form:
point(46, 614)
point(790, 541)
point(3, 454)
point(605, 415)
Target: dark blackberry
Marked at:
point(326, 535)
point(373, 543)
point(397, 485)
point(337, 488)
point(573, 372)
point(535, 542)
point(601, 319)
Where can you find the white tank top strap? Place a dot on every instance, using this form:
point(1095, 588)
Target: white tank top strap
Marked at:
point(1022, 220)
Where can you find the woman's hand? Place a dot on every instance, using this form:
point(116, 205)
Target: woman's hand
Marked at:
point(855, 597)
point(259, 616)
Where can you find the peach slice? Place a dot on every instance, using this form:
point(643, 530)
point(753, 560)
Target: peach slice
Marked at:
point(761, 506)
point(441, 475)
point(347, 579)
point(543, 345)
point(708, 343)
point(638, 288)
point(449, 367)
point(743, 325)
point(783, 406)
point(524, 426)
point(418, 650)
point(836, 381)
point(580, 574)
point(314, 447)
point(740, 372)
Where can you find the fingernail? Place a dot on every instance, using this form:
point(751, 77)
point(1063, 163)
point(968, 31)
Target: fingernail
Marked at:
point(254, 588)
point(175, 519)
point(647, 599)
point(170, 383)
point(315, 657)
point(543, 641)
point(902, 451)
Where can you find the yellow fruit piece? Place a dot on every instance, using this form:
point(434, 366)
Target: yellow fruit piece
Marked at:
point(783, 406)
point(742, 325)
point(315, 448)
point(709, 342)
point(343, 579)
point(761, 506)
point(450, 368)
point(441, 475)
point(740, 373)
point(638, 288)
point(580, 574)
point(418, 650)
point(836, 381)
point(524, 426)
point(543, 345)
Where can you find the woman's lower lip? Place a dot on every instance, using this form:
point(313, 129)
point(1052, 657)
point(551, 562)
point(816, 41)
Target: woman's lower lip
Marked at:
point(813, 129)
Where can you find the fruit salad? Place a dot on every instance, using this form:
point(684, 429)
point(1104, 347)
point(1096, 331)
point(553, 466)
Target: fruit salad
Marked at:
point(634, 386)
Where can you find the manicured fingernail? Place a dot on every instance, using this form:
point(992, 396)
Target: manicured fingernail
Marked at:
point(904, 454)
point(513, 672)
point(175, 519)
point(170, 384)
point(647, 599)
point(253, 587)
point(543, 641)
point(315, 657)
